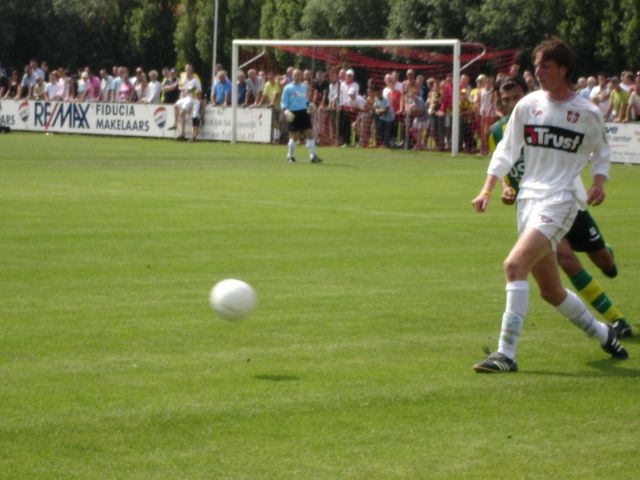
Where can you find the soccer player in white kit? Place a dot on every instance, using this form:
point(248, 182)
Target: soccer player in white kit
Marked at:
point(560, 133)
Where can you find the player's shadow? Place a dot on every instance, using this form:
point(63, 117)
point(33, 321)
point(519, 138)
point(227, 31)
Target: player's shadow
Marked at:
point(277, 378)
point(601, 368)
point(614, 368)
point(634, 339)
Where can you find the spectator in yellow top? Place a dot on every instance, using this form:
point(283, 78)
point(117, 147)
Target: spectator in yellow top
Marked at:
point(619, 99)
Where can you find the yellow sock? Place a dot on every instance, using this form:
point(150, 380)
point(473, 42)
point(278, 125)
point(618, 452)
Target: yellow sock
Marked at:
point(592, 292)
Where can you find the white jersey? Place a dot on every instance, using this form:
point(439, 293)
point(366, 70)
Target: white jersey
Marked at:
point(191, 86)
point(558, 138)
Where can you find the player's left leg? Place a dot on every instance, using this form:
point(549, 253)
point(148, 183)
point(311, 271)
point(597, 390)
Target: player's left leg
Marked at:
point(311, 146)
point(590, 290)
point(570, 306)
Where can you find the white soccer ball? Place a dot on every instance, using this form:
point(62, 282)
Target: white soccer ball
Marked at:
point(232, 299)
point(289, 116)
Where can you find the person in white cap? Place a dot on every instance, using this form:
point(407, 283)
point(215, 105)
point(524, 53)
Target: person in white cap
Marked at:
point(347, 88)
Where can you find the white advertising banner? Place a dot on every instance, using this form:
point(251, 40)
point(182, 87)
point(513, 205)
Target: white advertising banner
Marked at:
point(129, 119)
point(254, 124)
point(624, 140)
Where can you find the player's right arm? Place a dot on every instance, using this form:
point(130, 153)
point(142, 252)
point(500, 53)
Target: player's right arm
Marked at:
point(284, 100)
point(481, 202)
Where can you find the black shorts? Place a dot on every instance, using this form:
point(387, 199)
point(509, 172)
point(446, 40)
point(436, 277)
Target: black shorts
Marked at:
point(584, 235)
point(195, 122)
point(301, 121)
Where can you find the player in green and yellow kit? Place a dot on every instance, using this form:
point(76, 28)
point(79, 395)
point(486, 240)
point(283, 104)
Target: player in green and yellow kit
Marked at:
point(584, 235)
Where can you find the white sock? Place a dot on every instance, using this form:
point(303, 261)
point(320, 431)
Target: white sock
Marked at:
point(291, 147)
point(573, 308)
point(513, 317)
point(311, 145)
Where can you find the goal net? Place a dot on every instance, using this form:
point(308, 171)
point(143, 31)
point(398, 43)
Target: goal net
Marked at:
point(428, 86)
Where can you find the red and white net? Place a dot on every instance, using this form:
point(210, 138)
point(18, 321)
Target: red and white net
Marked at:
point(348, 119)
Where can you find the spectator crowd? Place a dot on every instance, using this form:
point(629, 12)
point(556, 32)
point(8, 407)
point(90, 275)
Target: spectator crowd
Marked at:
point(389, 109)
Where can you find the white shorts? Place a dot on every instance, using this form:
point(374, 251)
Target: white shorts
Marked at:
point(185, 104)
point(552, 217)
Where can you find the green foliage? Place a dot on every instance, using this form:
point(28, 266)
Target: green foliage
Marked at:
point(620, 42)
point(409, 19)
point(194, 31)
point(89, 32)
point(507, 24)
point(580, 27)
point(11, 19)
point(204, 30)
point(608, 47)
point(148, 26)
point(281, 19)
point(630, 32)
point(344, 19)
point(185, 34)
point(241, 19)
point(153, 33)
point(428, 18)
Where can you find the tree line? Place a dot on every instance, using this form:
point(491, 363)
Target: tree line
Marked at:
point(154, 33)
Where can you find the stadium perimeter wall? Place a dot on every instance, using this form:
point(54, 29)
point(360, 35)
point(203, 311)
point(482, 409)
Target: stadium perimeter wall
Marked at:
point(130, 119)
point(153, 121)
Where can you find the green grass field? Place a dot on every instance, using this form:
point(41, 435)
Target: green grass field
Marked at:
point(378, 287)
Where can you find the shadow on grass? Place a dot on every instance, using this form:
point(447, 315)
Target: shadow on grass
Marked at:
point(277, 378)
point(635, 338)
point(330, 164)
point(602, 368)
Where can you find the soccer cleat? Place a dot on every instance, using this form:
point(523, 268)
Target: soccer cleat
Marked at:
point(622, 328)
point(315, 159)
point(613, 347)
point(291, 160)
point(496, 363)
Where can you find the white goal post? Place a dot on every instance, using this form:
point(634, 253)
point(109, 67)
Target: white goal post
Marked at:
point(455, 44)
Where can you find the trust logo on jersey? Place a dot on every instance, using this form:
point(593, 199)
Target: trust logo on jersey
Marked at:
point(552, 137)
point(572, 117)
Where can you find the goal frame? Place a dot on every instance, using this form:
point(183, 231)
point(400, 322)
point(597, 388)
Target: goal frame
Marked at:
point(454, 44)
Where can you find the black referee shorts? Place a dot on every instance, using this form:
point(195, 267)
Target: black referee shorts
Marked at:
point(301, 121)
point(584, 235)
